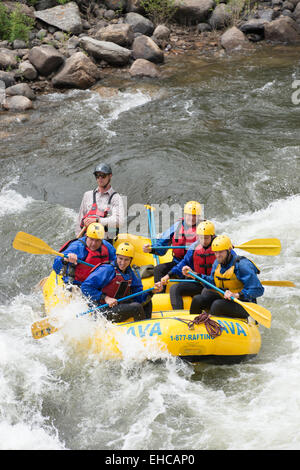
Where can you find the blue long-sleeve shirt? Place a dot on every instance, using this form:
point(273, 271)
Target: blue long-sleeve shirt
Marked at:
point(188, 260)
point(79, 249)
point(165, 240)
point(103, 275)
point(246, 272)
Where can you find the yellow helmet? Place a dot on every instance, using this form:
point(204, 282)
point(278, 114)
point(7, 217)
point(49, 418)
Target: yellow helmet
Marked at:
point(193, 208)
point(205, 228)
point(220, 243)
point(95, 230)
point(125, 249)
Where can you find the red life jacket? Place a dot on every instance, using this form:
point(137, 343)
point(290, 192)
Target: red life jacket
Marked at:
point(95, 212)
point(183, 236)
point(203, 259)
point(93, 257)
point(118, 286)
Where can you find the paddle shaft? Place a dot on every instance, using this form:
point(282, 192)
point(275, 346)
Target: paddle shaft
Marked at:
point(264, 283)
point(119, 300)
point(152, 230)
point(210, 285)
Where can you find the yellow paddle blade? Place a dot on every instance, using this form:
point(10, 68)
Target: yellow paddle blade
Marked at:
point(25, 242)
point(262, 246)
point(279, 283)
point(149, 207)
point(259, 313)
point(42, 328)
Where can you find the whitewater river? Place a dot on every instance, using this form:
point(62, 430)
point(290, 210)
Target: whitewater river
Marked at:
point(223, 131)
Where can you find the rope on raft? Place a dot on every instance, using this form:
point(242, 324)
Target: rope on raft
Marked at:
point(213, 328)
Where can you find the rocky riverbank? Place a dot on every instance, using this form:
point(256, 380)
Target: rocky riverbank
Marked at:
point(74, 45)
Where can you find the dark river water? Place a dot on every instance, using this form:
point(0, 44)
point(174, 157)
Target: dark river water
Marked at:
point(223, 131)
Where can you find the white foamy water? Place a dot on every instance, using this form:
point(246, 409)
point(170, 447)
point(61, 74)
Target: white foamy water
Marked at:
point(11, 202)
point(55, 397)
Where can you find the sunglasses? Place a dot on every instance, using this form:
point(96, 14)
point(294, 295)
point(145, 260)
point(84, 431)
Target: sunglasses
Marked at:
point(100, 175)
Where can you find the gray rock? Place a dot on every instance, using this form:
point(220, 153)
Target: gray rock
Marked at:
point(144, 68)
point(233, 38)
point(18, 44)
point(121, 34)
point(77, 72)
point(193, 11)
point(8, 78)
point(46, 59)
point(221, 16)
point(139, 23)
point(284, 29)
point(145, 48)
point(161, 32)
point(17, 103)
point(203, 27)
point(65, 17)
point(21, 89)
point(104, 50)
point(27, 70)
point(254, 26)
point(8, 59)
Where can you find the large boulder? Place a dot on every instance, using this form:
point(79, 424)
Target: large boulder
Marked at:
point(284, 29)
point(112, 53)
point(17, 103)
point(193, 11)
point(8, 59)
point(233, 38)
point(144, 68)
point(139, 23)
point(77, 72)
point(145, 48)
point(121, 34)
point(65, 17)
point(46, 59)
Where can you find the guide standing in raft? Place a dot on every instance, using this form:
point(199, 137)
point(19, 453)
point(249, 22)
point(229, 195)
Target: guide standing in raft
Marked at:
point(102, 204)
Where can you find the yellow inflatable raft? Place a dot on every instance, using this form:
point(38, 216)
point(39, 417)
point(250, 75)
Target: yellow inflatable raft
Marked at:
point(168, 331)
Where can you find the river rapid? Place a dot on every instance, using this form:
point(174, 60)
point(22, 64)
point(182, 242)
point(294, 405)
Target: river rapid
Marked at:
point(223, 131)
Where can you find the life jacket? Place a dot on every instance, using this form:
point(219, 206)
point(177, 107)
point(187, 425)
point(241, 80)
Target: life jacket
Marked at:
point(118, 287)
point(95, 212)
point(228, 279)
point(203, 259)
point(93, 257)
point(183, 236)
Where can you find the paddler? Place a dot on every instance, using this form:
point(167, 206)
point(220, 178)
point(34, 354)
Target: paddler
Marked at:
point(234, 274)
point(103, 204)
point(91, 248)
point(199, 259)
point(112, 281)
point(182, 233)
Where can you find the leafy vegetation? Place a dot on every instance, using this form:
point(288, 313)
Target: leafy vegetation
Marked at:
point(159, 11)
point(14, 25)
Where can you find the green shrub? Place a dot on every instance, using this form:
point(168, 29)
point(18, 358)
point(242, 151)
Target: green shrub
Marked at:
point(14, 25)
point(4, 22)
point(159, 11)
